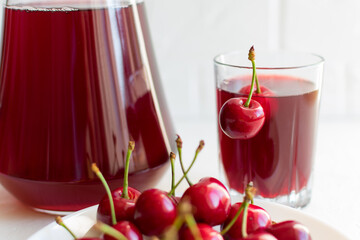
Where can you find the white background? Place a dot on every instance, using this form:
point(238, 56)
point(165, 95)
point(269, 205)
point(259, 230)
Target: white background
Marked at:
point(187, 34)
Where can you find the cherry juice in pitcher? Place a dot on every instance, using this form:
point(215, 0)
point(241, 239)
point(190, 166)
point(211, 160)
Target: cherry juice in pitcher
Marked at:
point(76, 84)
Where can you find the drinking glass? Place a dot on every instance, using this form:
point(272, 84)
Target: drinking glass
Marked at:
point(78, 81)
point(279, 159)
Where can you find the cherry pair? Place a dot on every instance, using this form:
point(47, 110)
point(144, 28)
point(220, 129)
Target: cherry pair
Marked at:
point(155, 210)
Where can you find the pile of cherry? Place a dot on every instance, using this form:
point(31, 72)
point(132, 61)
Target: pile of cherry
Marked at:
point(125, 213)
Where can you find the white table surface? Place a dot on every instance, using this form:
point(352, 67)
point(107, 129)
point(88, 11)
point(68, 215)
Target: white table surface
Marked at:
point(336, 190)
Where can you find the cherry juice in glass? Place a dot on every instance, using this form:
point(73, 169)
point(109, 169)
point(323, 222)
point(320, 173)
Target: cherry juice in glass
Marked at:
point(278, 159)
point(76, 84)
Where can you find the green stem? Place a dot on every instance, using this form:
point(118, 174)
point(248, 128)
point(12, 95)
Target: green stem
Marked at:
point(183, 168)
point(108, 230)
point(244, 220)
point(186, 172)
point(258, 89)
point(125, 193)
point(232, 222)
point(61, 223)
point(108, 191)
point(247, 103)
point(200, 147)
point(172, 158)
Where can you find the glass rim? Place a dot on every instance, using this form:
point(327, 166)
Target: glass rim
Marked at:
point(319, 61)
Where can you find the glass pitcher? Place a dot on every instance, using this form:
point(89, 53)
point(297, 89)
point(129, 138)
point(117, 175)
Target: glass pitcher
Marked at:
point(78, 80)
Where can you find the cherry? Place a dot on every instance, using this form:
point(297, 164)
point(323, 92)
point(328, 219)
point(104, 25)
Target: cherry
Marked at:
point(240, 122)
point(289, 230)
point(88, 238)
point(257, 218)
point(154, 212)
point(242, 118)
point(210, 199)
point(113, 233)
point(269, 105)
point(124, 208)
point(176, 199)
point(266, 92)
point(128, 229)
point(123, 199)
point(206, 233)
point(260, 236)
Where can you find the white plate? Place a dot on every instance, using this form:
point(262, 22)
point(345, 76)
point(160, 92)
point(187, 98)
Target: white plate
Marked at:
point(80, 222)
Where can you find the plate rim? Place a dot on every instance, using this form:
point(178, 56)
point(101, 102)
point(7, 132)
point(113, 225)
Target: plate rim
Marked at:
point(268, 206)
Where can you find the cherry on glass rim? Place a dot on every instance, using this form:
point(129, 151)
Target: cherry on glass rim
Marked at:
point(240, 122)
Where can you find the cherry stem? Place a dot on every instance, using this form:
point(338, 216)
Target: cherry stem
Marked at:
point(252, 59)
point(108, 191)
point(244, 219)
point(198, 150)
point(108, 230)
point(258, 89)
point(179, 148)
point(59, 221)
point(172, 159)
point(125, 192)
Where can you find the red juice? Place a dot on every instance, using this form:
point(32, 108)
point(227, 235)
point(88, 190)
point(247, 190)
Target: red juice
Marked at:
point(75, 86)
point(279, 158)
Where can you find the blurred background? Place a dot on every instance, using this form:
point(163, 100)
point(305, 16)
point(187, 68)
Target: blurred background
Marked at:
point(187, 35)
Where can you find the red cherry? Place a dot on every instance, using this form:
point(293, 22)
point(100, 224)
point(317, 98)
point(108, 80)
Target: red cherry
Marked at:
point(124, 208)
point(206, 232)
point(89, 239)
point(260, 236)
point(210, 199)
point(289, 230)
point(154, 212)
point(257, 218)
point(175, 199)
point(120, 203)
point(240, 122)
point(266, 92)
point(128, 229)
point(269, 105)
